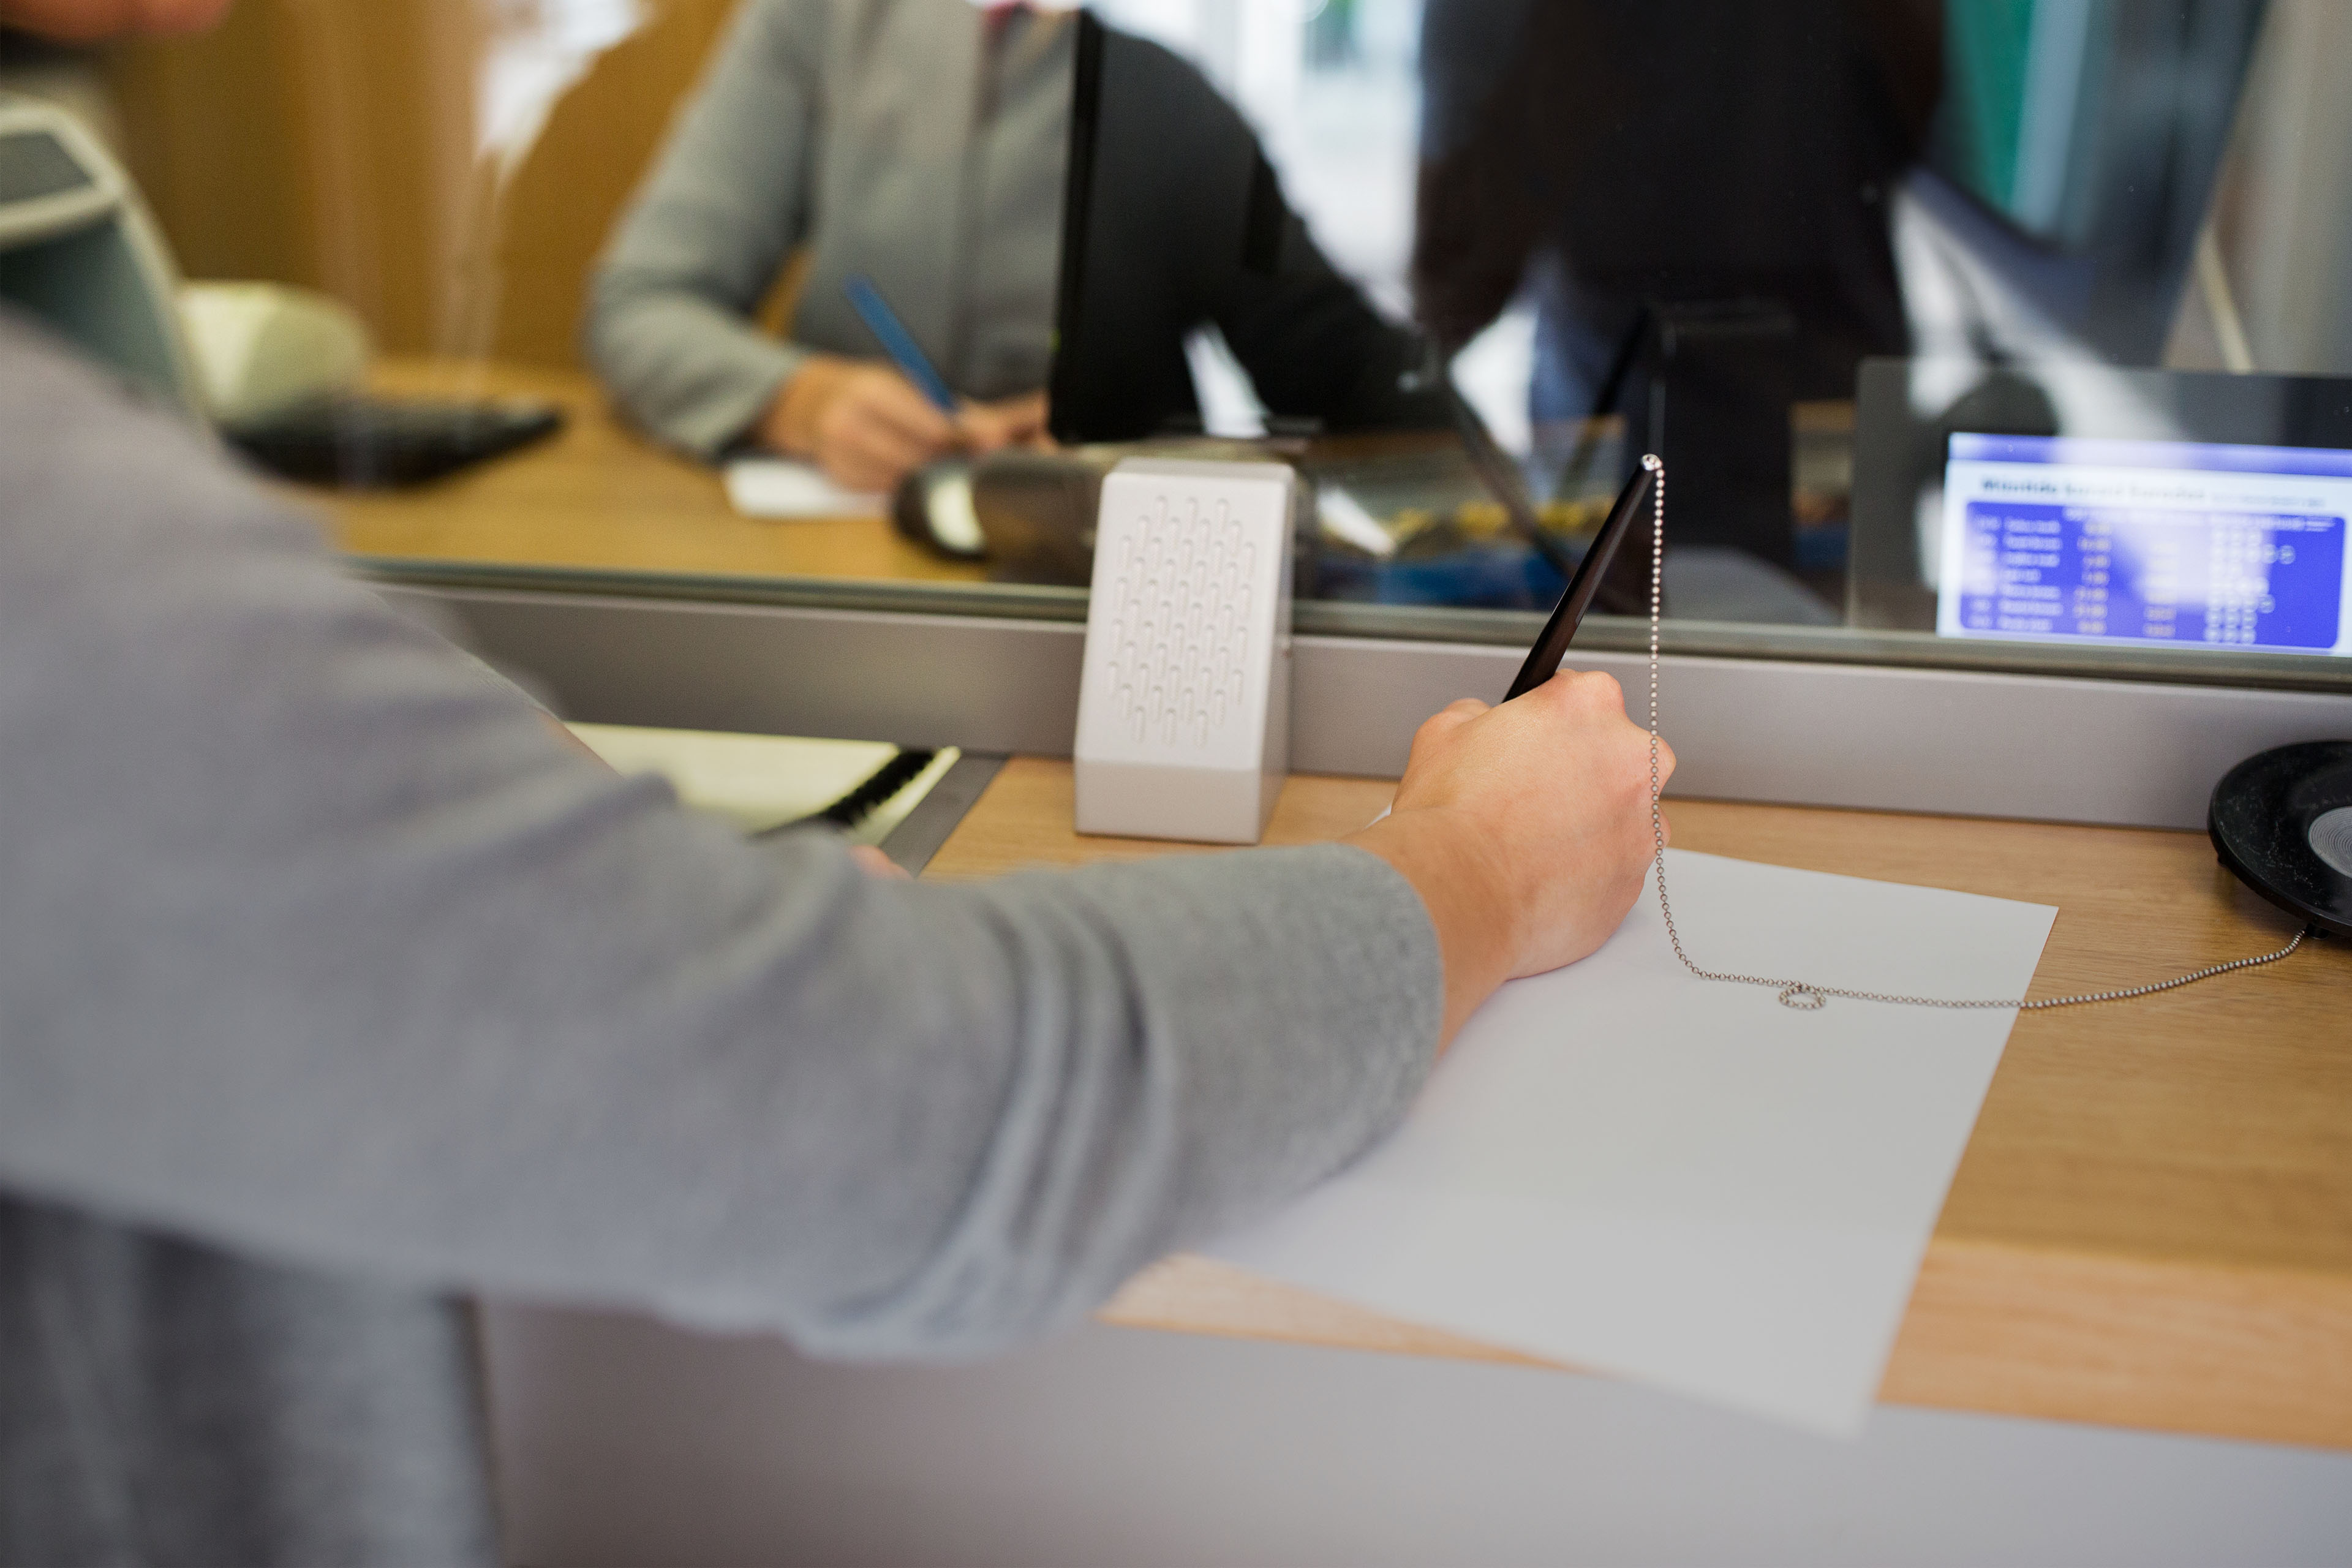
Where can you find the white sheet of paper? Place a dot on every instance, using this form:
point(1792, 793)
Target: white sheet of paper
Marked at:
point(1683, 1181)
point(758, 781)
point(779, 487)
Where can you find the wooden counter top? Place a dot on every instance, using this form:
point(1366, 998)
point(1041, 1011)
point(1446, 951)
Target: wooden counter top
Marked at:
point(2152, 1225)
point(601, 496)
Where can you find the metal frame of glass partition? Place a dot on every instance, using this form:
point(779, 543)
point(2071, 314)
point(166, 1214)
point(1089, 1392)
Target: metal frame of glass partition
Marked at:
point(1801, 716)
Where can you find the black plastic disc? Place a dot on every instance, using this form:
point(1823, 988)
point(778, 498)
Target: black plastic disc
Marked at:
point(2282, 820)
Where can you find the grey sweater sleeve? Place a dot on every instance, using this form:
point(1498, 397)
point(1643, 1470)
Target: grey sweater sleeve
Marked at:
point(316, 942)
point(669, 325)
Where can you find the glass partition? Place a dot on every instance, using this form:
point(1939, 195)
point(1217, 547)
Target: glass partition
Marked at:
point(1999, 334)
point(1808, 253)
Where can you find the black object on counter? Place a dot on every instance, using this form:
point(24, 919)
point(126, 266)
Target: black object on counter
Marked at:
point(355, 442)
point(2282, 820)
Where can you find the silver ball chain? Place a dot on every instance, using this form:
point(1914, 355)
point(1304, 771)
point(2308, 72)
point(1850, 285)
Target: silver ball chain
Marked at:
point(1802, 994)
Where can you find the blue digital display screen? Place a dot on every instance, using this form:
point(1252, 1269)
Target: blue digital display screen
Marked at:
point(2148, 542)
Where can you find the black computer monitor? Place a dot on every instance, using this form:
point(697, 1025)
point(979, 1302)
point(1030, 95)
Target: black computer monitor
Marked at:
point(1175, 221)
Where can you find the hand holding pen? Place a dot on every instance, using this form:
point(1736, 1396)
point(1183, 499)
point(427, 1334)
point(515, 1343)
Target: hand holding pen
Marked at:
point(869, 424)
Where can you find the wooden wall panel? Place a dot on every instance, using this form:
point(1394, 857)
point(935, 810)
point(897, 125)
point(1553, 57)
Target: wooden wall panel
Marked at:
point(206, 122)
point(596, 144)
point(331, 143)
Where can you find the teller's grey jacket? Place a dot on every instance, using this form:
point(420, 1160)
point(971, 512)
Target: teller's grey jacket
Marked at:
point(900, 139)
point(332, 978)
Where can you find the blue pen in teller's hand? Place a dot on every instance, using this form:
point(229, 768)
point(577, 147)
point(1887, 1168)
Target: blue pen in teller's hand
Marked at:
point(899, 343)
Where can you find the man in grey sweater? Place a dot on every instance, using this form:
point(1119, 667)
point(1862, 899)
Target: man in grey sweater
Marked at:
point(333, 980)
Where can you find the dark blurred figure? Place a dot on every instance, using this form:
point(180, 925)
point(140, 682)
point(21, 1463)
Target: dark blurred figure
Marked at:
point(1605, 153)
point(1177, 221)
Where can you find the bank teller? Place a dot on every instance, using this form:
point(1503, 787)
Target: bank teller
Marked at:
point(919, 142)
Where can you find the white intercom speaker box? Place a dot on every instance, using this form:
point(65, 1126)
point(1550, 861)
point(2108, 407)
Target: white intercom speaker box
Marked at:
point(1184, 704)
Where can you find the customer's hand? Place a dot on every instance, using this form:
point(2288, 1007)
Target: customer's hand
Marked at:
point(875, 864)
point(864, 424)
point(1525, 829)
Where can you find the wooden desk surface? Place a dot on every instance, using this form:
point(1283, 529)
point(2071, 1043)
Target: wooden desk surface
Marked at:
point(599, 496)
point(2152, 1225)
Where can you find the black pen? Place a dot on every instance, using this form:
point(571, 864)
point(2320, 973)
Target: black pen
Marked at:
point(1551, 645)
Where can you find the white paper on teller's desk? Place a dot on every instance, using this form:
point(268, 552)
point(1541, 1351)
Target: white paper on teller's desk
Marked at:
point(779, 487)
point(1683, 1181)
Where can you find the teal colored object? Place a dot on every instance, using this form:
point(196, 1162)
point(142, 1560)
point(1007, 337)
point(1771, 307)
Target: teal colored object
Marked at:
point(2022, 85)
point(1985, 48)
